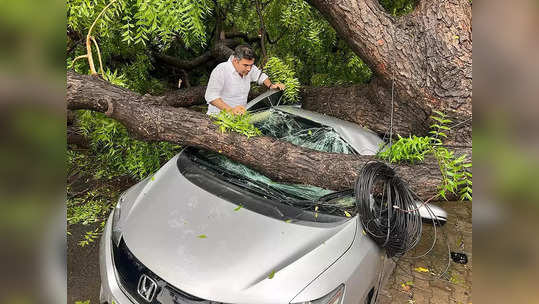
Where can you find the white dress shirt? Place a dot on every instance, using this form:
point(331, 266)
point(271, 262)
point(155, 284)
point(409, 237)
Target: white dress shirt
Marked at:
point(227, 84)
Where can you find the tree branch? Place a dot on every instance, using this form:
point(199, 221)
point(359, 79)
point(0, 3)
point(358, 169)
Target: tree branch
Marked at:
point(185, 64)
point(279, 160)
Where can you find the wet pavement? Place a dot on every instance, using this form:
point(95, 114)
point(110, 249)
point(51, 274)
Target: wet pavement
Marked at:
point(433, 279)
point(82, 267)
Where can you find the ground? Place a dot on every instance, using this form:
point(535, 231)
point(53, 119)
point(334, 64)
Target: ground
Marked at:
point(418, 275)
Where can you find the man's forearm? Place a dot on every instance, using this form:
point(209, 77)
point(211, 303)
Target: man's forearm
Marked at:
point(267, 82)
point(221, 104)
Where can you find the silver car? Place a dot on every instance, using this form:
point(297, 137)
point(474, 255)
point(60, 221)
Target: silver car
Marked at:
point(204, 229)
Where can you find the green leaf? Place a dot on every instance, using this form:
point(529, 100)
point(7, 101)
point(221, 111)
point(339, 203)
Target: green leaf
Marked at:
point(271, 275)
point(437, 119)
point(202, 236)
point(439, 113)
point(238, 208)
point(460, 159)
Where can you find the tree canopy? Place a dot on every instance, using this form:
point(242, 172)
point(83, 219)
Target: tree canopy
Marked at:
point(133, 36)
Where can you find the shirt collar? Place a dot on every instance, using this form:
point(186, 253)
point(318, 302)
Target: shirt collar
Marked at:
point(230, 66)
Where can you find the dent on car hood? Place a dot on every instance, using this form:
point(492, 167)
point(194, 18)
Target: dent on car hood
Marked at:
point(207, 247)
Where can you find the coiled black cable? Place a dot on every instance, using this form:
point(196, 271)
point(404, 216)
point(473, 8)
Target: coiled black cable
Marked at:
point(387, 209)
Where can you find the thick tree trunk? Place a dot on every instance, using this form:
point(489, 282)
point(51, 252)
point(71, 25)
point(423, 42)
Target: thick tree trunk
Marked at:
point(366, 105)
point(277, 159)
point(428, 55)
point(361, 104)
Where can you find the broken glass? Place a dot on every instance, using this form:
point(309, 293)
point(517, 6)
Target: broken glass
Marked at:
point(301, 132)
point(304, 133)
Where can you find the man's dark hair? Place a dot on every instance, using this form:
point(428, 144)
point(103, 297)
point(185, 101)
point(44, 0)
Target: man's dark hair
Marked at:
point(244, 51)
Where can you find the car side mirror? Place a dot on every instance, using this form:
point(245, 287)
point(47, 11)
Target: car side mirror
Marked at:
point(432, 214)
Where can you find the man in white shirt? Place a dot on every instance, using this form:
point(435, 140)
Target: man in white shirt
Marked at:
point(230, 82)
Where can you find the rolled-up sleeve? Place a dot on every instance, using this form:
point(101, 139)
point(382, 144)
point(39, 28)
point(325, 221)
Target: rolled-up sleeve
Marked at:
point(215, 85)
point(255, 73)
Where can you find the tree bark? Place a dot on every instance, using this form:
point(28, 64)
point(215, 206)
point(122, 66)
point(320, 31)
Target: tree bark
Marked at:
point(279, 160)
point(426, 55)
point(362, 104)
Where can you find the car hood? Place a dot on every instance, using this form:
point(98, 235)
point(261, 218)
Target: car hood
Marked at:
point(205, 246)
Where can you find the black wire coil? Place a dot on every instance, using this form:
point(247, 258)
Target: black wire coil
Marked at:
point(387, 209)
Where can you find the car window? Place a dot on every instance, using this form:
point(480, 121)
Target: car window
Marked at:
point(301, 132)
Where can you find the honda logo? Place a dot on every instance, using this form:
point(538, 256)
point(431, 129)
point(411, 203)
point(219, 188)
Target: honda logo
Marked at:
point(147, 288)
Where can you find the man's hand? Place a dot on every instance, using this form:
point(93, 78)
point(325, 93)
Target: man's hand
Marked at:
point(278, 85)
point(238, 110)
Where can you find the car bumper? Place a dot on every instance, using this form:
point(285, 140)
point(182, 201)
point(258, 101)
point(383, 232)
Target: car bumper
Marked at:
point(111, 291)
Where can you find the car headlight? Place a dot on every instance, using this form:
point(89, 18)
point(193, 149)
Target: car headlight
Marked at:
point(334, 297)
point(116, 228)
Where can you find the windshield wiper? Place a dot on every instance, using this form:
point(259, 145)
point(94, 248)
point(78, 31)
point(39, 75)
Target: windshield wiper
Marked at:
point(337, 194)
point(244, 183)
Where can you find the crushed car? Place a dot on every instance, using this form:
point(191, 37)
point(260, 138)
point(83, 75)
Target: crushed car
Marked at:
point(206, 229)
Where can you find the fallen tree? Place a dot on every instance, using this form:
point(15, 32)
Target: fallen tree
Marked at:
point(423, 58)
point(146, 119)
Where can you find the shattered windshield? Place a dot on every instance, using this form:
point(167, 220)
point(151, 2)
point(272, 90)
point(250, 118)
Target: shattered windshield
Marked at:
point(298, 131)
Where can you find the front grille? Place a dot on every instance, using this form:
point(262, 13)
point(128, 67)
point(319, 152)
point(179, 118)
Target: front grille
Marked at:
point(130, 269)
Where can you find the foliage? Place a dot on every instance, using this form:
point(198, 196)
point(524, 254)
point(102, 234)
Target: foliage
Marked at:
point(236, 123)
point(398, 7)
point(278, 71)
point(131, 31)
point(143, 21)
point(412, 149)
point(88, 207)
point(456, 177)
point(117, 154)
point(92, 207)
point(114, 78)
point(91, 236)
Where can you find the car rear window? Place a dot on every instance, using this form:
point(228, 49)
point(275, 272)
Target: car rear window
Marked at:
point(300, 131)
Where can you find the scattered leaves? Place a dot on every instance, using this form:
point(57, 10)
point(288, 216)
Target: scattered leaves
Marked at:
point(421, 269)
point(406, 286)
